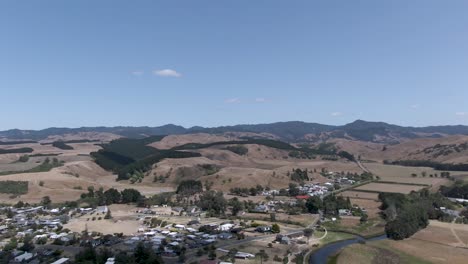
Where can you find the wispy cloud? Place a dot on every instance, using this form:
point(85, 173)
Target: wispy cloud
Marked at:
point(461, 113)
point(167, 73)
point(137, 73)
point(260, 100)
point(415, 106)
point(336, 114)
point(232, 100)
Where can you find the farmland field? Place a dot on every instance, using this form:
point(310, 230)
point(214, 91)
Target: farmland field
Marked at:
point(386, 187)
point(430, 251)
point(371, 206)
point(375, 253)
point(360, 195)
point(389, 172)
point(434, 244)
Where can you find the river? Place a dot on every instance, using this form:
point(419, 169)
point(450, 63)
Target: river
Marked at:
point(321, 256)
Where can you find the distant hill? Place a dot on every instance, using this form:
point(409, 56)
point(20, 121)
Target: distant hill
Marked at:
point(293, 131)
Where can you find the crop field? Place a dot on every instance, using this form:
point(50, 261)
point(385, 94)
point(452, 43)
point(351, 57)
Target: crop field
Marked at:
point(387, 187)
point(429, 251)
point(371, 206)
point(360, 195)
point(414, 180)
point(437, 234)
point(397, 173)
point(375, 253)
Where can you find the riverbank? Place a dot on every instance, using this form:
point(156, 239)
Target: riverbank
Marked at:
point(322, 254)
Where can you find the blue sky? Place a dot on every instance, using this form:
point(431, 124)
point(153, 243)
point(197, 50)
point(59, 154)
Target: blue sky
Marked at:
point(219, 62)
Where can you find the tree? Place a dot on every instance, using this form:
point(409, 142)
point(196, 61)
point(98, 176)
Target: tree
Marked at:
point(212, 255)
point(236, 206)
point(23, 158)
point(262, 255)
point(314, 204)
point(231, 255)
point(189, 187)
point(213, 202)
point(28, 244)
point(130, 196)
point(364, 218)
point(112, 196)
point(19, 204)
point(46, 201)
point(11, 245)
point(275, 228)
point(293, 190)
point(108, 215)
point(90, 191)
point(308, 233)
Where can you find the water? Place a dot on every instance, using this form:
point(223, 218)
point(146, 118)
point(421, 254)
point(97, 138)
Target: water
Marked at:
point(321, 256)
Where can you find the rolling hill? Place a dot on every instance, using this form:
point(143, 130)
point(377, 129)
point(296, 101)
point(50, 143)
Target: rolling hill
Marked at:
point(293, 131)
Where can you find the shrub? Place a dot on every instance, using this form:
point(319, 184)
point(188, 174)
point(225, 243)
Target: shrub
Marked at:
point(14, 187)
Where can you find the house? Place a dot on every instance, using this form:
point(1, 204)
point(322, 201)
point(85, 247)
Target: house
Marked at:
point(244, 255)
point(193, 222)
point(225, 227)
point(302, 197)
point(61, 261)
point(191, 230)
point(225, 236)
point(162, 210)
point(25, 257)
point(180, 227)
point(102, 209)
point(343, 212)
point(193, 210)
point(260, 209)
point(177, 210)
point(450, 212)
point(263, 229)
point(285, 240)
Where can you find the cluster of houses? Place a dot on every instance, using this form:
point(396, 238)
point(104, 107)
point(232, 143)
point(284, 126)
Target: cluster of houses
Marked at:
point(314, 189)
point(43, 226)
point(169, 239)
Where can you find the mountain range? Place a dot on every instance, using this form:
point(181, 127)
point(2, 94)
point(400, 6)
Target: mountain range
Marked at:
point(292, 131)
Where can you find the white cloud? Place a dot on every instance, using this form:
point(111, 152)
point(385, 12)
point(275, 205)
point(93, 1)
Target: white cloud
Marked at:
point(260, 100)
point(461, 113)
point(336, 114)
point(415, 106)
point(137, 73)
point(232, 100)
point(167, 73)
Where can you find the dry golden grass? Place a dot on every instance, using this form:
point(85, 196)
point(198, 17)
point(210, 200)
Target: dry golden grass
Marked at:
point(386, 187)
point(429, 251)
point(437, 234)
point(360, 195)
point(371, 206)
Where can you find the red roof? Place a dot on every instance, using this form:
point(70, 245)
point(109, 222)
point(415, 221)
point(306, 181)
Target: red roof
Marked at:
point(302, 197)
